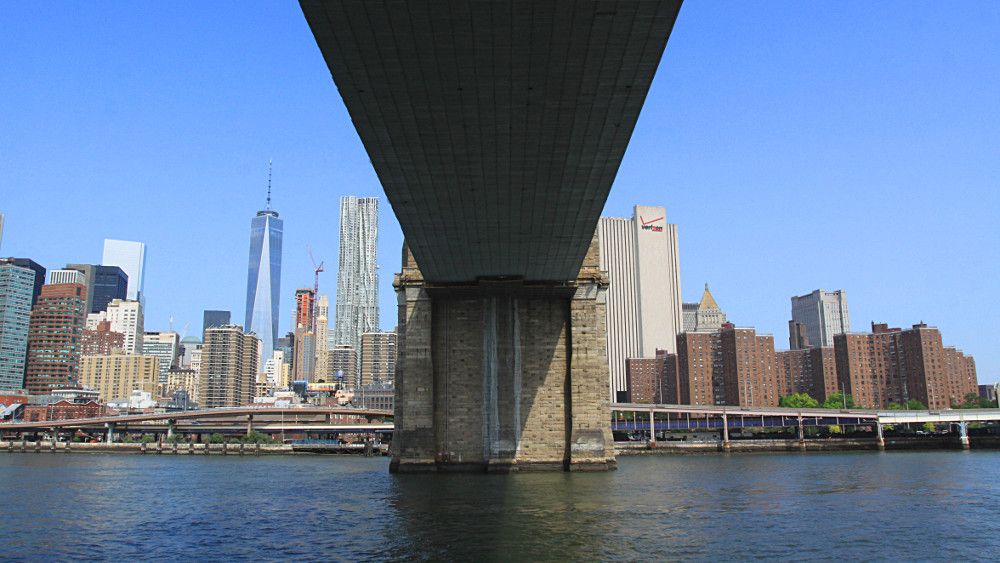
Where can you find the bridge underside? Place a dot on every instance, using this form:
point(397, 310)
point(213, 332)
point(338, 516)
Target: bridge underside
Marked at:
point(496, 129)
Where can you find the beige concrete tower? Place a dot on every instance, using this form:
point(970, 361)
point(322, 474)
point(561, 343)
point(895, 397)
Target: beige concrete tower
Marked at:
point(640, 255)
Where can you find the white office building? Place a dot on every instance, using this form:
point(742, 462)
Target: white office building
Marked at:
point(641, 257)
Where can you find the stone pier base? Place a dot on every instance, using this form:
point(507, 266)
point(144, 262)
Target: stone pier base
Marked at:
point(502, 375)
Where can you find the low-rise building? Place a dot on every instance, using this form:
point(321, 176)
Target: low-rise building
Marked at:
point(63, 410)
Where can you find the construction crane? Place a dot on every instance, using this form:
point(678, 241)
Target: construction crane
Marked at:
point(316, 271)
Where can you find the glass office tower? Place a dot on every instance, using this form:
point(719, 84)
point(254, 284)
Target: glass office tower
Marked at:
point(130, 256)
point(16, 285)
point(264, 278)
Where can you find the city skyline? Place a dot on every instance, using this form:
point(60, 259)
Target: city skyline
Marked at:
point(758, 182)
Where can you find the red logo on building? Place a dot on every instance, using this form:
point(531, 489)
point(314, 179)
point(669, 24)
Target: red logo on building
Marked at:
point(647, 226)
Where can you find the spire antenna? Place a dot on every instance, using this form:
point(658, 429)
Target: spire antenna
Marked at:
point(269, 161)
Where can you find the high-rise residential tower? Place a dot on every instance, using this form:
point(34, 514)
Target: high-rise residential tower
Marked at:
point(357, 274)
point(644, 297)
point(16, 286)
point(55, 338)
point(823, 314)
point(228, 368)
point(264, 276)
point(378, 357)
point(130, 256)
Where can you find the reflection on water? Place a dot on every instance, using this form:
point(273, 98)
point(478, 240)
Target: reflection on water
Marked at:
point(865, 505)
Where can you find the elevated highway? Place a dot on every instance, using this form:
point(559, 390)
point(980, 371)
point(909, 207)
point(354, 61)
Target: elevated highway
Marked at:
point(655, 418)
point(304, 420)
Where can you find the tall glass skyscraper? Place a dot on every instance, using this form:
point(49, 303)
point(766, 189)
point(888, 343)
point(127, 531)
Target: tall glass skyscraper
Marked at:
point(264, 277)
point(357, 273)
point(130, 256)
point(16, 285)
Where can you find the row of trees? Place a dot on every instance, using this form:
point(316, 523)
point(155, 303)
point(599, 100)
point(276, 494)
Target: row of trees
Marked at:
point(839, 400)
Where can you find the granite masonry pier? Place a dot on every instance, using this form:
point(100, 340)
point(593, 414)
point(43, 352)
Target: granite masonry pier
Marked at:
point(502, 375)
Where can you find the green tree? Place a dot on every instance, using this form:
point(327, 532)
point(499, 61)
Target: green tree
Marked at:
point(915, 405)
point(176, 439)
point(896, 407)
point(216, 439)
point(836, 401)
point(147, 439)
point(255, 437)
point(798, 401)
point(971, 401)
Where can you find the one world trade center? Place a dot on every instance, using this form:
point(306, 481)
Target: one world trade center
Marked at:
point(264, 276)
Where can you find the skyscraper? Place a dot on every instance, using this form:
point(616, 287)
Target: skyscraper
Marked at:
point(264, 276)
point(644, 298)
point(357, 274)
point(110, 283)
point(39, 275)
point(55, 336)
point(130, 256)
point(823, 314)
point(16, 285)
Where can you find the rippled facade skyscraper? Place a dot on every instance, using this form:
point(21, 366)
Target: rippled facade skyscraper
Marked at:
point(357, 274)
point(264, 278)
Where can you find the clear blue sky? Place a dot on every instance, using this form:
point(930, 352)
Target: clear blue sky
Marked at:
point(797, 145)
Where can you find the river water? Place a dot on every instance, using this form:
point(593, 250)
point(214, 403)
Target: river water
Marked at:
point(942, 505)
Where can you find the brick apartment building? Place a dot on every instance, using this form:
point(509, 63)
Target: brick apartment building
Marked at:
point(737, 366)
point(643, 378)
point(54, 338)
point(891, 365)
point(102, 341)
point(730, 366)
point(812, 371)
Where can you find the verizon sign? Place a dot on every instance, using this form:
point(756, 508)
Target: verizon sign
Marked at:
point(649, 226)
